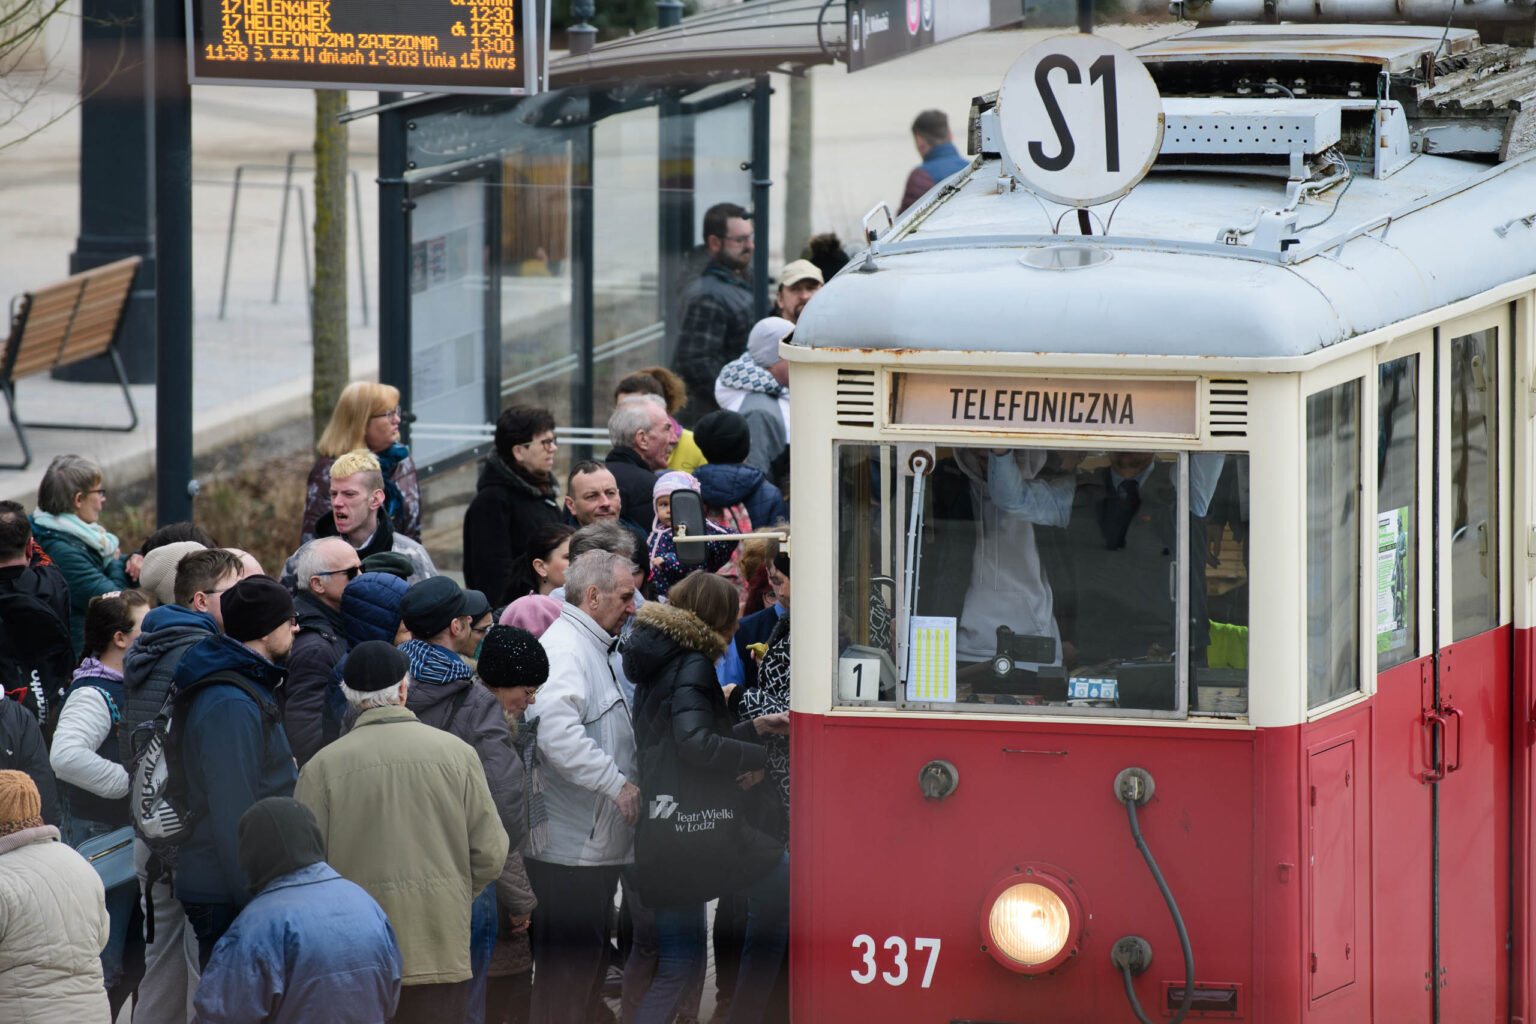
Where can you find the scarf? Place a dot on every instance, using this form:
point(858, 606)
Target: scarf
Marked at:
point(94, 535)
point(433, 664)
point(512, 471)
point(92, 668)
point(389, 461)
point(742, 374)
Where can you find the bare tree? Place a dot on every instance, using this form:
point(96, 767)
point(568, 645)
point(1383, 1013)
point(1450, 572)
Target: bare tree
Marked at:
point(23, 32)
point(328, 311)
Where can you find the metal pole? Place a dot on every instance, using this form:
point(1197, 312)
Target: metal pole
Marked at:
point(174, 484)
point(362, 250)
point(583, 242)
point(229, 241)
point(282, 229)
point(761, 128)
point(394, 256)
point(1085, 16)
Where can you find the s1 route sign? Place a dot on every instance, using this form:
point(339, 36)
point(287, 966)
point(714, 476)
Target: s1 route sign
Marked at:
point(1081, 119)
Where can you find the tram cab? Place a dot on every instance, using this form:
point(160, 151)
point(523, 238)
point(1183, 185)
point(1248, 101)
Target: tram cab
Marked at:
point(1216, 522)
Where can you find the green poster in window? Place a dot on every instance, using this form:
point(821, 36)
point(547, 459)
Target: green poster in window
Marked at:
point(1392, 540)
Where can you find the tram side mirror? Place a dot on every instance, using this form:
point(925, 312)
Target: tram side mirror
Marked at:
point(688, 524)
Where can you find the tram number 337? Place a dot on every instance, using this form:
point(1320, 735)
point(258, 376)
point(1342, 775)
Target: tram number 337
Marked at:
point(895, 947)
point(1101, 72)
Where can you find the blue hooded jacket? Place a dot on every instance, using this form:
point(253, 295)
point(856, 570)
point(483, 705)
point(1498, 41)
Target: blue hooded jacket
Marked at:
point(312, 946)
point(723, 484)
point(234, 752)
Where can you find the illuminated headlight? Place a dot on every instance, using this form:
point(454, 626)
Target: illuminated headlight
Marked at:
point(1032, 922)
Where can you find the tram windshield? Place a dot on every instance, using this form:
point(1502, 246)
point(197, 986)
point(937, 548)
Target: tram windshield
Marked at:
point(1038, 580)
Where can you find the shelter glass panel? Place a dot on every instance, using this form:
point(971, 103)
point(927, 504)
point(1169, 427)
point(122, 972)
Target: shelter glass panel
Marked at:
point(1043, 580)
point(1397, 512)
point(1333, 543)
point(1474, 483)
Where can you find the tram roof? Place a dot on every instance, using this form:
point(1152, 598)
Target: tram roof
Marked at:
point(952, 273)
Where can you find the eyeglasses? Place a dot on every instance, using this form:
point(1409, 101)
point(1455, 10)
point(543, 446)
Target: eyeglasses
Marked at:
point(351, 571)
point(98, 490)
point(549, 444)
point(742, 239)
point(216, 593)
point(390, 414)
point(480, 630)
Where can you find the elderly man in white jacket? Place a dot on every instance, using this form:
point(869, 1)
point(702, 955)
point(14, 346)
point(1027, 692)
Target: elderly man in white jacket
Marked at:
point(584, 802)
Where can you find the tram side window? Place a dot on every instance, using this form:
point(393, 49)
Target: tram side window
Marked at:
point(1397, 512)
point(1019, 578)
point(1474, 483)
point(1333, 543)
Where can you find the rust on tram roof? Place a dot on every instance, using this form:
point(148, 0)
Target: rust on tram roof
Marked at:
point(1394, 50)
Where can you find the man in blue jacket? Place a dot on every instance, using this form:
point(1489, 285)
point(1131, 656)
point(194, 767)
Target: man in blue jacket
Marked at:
point(935, 144)
point(310, 946)
point(233, 751)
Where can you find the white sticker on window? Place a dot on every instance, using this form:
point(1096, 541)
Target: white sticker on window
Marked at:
point(931, 659)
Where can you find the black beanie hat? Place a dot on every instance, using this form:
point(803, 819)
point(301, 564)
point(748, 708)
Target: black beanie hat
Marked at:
point(723, 436)
point(374, 665)
point(277, 836)
point(392, 562)
point(255, 607)
point(511, 656)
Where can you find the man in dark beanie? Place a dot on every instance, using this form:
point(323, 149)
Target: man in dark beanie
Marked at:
point(310, 945)
point(394, 785)
point(726, 480)
point(233, 751)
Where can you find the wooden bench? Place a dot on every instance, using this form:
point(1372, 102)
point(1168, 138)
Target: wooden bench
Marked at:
point(79, 318)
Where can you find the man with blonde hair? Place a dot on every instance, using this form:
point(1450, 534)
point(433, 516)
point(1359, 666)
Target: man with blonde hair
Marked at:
point(357, 495)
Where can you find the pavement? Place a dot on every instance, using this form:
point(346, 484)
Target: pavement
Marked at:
point(251, 366)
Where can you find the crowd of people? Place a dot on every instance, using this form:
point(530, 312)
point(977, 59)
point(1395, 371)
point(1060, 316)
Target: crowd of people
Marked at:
point(349, 788)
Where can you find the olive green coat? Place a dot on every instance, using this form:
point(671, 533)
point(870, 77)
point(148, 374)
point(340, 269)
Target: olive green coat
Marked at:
point(405, 813)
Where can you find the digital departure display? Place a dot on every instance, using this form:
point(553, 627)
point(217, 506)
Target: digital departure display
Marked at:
point(487, 46)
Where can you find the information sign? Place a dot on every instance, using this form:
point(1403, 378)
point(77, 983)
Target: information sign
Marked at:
point(1054, 405)
point(882, 30)
point(474, 46)
point(1081, 119)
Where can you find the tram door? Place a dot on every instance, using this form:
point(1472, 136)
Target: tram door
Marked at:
point(1444, 688)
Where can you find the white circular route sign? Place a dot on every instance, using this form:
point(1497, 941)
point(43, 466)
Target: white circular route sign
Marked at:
point(1081, 119)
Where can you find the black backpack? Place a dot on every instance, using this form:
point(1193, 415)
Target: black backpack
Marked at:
point(37, 659)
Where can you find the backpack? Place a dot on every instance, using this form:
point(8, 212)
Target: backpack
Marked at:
point(37, 659)
point(157, 781)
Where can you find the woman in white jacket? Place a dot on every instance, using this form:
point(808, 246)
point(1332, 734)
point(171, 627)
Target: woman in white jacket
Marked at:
point(93, 783)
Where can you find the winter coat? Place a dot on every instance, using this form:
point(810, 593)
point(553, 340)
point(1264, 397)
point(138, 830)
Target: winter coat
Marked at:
point(636, 481)
point(471, 713)
point(667, 570)
point(723, 484)
point(86, 572)
point(384, 538)
point(86, 754)
point(514, 895)
point(940, 162)
point(44, 582)
point(683, 731)
point(686, 455)
point(505, 511)
point(769, 697)
point(317, 499)
point(586, 745)
point(53, 926)
point(714, 316)
point(317, 649)
point(168, 632)
point(756, 628)
point(405, 813)
point(22, 749)
point(234, 753)
point(312, 946)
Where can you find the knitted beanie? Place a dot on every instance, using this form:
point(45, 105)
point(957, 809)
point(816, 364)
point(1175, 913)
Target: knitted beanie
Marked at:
point(510, 656)
point(723, 436)
point(20, 805)
point(533, 612)
point(158, 573)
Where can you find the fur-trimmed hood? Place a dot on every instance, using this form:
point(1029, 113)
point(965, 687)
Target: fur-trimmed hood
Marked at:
point(661, 634)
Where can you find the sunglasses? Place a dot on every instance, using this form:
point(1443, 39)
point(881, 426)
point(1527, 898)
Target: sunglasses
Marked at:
point(351, 571)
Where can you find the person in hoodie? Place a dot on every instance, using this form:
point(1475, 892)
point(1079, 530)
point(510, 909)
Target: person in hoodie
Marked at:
point(323, 568)
point(515, 496)
point(310, 945)
point(231, 746)
point(441, 617)
point(756, 384)
point(202, 578)
point(357, 496)
point(87, 760)
point(726, 480)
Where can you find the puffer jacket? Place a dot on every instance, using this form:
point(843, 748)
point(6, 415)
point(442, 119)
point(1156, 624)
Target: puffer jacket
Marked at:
point(312, 946)
point(681, 722)
point(150, 664)
point(317, 649)
point(459, 707)
point(53, 926)
point(722, 485)
point(587, 746)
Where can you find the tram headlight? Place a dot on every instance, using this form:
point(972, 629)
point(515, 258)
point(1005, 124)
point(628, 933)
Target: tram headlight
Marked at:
point(1033, 922)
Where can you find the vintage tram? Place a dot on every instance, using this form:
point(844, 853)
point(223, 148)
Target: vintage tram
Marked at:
point(1216, 519)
